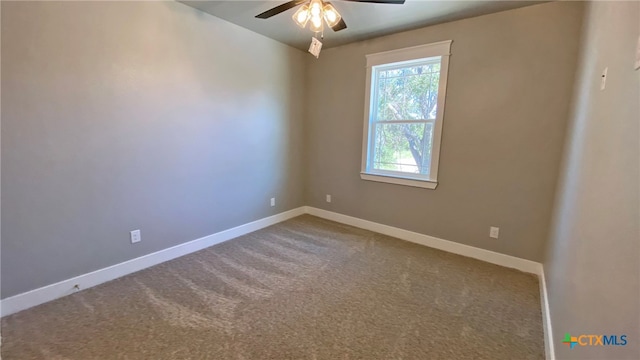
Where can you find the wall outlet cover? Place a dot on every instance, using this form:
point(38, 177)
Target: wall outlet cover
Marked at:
point(135, 236)
point(637, 65)
point(603, 81)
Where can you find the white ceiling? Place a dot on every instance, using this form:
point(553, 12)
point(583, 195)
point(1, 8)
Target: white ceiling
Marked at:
point(364, 20)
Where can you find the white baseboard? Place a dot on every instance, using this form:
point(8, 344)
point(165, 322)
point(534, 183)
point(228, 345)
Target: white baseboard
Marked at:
point(460, 249)
point(54, 291)
point(66, 287)
point(549, 349)
point(434, 242)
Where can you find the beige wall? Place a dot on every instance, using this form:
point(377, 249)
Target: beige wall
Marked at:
point(508, 95)
point(593, 259)
point(137, 115)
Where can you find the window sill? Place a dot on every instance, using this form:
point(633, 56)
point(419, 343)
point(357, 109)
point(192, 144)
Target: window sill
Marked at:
point(407, 181)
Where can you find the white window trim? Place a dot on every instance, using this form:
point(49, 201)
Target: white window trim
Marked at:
point(441, 49)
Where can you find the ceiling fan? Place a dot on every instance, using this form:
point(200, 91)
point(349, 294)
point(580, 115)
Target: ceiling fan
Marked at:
point(314, 11)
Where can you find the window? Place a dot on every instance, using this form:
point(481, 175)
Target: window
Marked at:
point(404, 110)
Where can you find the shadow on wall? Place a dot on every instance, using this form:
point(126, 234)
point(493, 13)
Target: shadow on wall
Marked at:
point(260, 108)
point(137, 115)
point(593, 255)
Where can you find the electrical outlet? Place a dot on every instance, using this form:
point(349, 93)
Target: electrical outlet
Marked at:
point(637, 64)
point(494, 232)
point(273, 201)
point(603, 81)
point(135, 236)
point(328, 198)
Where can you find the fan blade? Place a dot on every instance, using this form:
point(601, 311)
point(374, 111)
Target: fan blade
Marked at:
point(339, 26)
point(397, 2)
point(280, 8)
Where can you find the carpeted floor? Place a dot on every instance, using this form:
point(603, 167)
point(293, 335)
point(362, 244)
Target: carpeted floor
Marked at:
point(306, 288)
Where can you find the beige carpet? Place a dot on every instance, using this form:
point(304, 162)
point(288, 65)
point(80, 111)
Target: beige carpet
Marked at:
point(303, 289)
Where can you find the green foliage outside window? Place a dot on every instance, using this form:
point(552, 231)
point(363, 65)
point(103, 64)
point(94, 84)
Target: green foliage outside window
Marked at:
point(405, 94)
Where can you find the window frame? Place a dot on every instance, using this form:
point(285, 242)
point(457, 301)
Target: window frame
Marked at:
point(396, 58)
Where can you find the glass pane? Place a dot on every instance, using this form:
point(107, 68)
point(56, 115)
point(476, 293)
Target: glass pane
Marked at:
point(403, 147)
point(409, 93)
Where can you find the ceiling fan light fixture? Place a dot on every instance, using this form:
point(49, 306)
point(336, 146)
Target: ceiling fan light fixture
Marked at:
point(316, 23)
point(315, 7)
point(302, 16)
point(331, 15)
